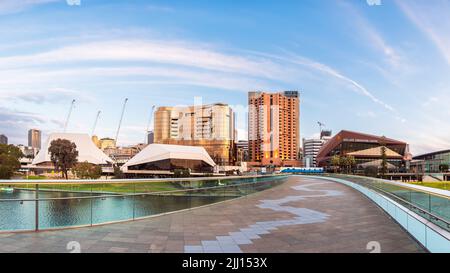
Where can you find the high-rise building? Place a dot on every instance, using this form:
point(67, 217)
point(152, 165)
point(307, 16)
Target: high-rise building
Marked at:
point(311, 148)
point(150, 137)
point(242, 151)
point(3, 139)
point(210, 126)
point(34, 138)
point(273, 128)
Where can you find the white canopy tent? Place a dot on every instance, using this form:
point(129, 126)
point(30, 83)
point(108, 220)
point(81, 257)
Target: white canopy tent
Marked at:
point(157, 152)
point(87, 151)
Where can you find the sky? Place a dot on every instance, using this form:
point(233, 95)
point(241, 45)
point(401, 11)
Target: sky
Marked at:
point(374, 66)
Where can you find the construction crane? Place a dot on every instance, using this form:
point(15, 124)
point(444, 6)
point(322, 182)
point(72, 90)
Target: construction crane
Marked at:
point(95, 123)
point(68, 116)
point(148, 124)
point(320, 127)
point(121, 118)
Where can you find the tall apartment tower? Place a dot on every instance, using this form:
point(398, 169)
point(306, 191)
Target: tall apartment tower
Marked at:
point(273, 128)
point(34, 138)
point(211, 126)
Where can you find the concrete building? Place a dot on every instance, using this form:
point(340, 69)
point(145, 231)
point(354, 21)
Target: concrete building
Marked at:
point(274, 128)
point(210, 126)
point(150, 137)
point(3, 139)
point(106, 143)
point(311, 148)
point(34, 138)
point(242, 151)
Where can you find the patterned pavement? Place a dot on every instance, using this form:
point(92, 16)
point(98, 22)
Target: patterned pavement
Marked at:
point(301, 215)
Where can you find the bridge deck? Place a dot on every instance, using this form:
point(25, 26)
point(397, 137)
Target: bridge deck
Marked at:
point(301, 215)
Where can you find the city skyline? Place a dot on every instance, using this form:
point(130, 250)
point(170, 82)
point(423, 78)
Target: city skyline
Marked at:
point(355, 69)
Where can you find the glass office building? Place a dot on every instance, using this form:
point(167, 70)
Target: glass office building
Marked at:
point(432, 162)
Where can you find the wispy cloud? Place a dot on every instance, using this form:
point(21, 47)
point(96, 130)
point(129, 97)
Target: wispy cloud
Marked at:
point(372, 36)
point(13, 6)
point(432, 18)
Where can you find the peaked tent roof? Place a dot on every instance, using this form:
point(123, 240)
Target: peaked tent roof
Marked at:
point(377, 163)
point(156, 152)
point(87, 151)
point(358, 137)
point(376, 152)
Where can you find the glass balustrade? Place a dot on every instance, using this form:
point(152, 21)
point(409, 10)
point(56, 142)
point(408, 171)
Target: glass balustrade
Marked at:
point(50, 205)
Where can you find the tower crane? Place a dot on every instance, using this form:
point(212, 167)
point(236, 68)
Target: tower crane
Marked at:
point(121, 118)
point(320, 127)
point(95, 123)
point(68, 116)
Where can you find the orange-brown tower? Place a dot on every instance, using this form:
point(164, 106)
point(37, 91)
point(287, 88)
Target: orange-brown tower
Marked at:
point(273, 128)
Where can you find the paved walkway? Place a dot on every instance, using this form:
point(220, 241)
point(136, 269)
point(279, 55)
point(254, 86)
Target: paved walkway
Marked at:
point(301, 215)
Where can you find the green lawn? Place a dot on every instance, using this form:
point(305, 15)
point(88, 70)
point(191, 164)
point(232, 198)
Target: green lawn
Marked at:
point(437, 185)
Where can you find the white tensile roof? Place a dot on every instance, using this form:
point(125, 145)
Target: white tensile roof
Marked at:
point(87, 151)
point(156, 152)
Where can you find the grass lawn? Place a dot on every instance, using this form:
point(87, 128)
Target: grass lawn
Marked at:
point(437, 185)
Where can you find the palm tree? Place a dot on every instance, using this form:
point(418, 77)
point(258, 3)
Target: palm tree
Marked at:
point(384, 163)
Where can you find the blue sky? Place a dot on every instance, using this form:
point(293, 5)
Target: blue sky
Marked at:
point(381, 69)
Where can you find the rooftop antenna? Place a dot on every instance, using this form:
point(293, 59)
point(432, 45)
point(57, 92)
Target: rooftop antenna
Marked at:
point(95, 123)
point(148, 124)
point(121, 118)
point(68, 116)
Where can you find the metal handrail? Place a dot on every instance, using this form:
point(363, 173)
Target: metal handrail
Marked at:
point(130, 180)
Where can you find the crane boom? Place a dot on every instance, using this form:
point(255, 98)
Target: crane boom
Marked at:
point(95, 123)
point(68, 115)
point(148, 124)
point(121, 118)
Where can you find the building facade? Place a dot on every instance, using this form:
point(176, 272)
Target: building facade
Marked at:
point(274, 128)
point(435, 162)
point(3, 139)
point(242, 151)
point(365, 148)
point(34, 138)
point(210, 126)
point(311, 148)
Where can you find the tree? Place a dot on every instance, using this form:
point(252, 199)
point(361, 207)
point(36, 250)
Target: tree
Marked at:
point(384, 163)
point(9, 160)
point(336, 162)
point(371, 171)
point(443, 168)
point(63, 155)
point(350, 162)
point(86, 170)
point(118, 174)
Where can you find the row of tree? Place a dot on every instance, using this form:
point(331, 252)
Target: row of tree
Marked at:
point(343, 163)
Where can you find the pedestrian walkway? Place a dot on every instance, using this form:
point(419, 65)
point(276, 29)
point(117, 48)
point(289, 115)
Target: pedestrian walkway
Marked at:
point(301, 215)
